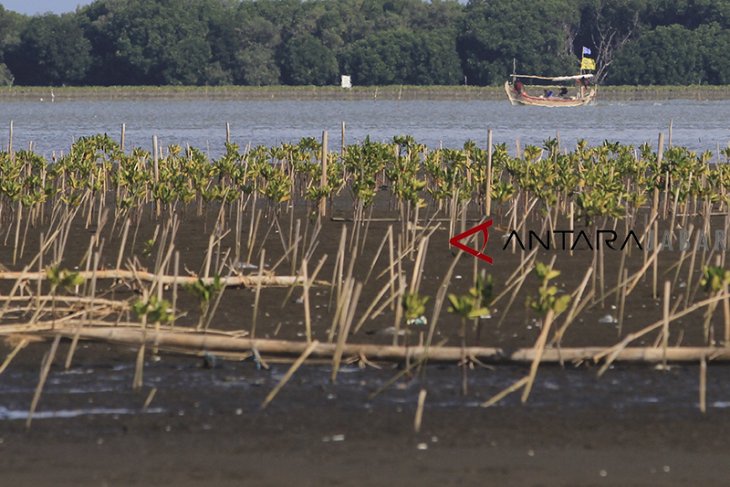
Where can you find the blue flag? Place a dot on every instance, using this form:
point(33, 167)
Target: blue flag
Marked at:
point(586, 51)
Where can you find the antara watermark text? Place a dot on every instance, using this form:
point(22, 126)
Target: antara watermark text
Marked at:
point(572, 240)
point(680, 240)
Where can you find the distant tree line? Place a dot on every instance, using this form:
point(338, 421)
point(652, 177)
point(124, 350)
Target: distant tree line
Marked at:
point(377, 42)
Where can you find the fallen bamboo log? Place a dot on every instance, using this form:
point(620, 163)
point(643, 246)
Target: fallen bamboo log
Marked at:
point(61, 298)
point(70, 325)
point(197, 342)
point(230, 281)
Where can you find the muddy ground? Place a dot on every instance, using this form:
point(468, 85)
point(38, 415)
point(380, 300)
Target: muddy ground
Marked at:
point(634, 426)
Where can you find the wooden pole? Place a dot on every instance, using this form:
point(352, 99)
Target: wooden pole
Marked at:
point(342, 142)
point(323, 180)
point(123, 137)
point(488, 206)
point(655, 202)
point(665, 326)
point(155, 158)
point(419, 411)
point(703, 384)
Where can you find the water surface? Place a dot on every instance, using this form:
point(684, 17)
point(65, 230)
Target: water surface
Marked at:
point(699, 125)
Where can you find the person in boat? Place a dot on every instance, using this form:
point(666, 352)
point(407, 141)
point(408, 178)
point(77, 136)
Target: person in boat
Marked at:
point(519, 87)
point(582, 83)
point(563, 92)
point(548, 93)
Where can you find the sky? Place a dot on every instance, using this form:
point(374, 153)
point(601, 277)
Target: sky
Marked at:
point(31, 7)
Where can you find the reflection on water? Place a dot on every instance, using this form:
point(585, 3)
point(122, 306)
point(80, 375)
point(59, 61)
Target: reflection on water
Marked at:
point(9, 414)
point(699, 125)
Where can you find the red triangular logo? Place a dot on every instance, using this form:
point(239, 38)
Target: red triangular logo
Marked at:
point(482, 227)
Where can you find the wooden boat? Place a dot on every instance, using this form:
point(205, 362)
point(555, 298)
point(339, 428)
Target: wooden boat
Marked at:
point(580, 93)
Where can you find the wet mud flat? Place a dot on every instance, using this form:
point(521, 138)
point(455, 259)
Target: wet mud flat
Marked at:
point(635, 426)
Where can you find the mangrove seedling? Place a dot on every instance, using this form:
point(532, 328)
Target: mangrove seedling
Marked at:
point(467, 306)
point(63, 279)
point(548, 305)
point(414, 308)
point(714, 280)
point(154, 309)
point(205, 294)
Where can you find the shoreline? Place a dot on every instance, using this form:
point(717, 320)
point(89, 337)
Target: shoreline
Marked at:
point(334, 93)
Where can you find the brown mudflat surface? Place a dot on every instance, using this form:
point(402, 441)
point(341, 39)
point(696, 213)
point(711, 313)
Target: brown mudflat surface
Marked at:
point(634, 426)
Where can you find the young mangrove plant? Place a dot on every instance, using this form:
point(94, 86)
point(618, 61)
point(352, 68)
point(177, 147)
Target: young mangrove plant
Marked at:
point(61, 279)
point(714, 280)
point(205, 294)
point(467, 306)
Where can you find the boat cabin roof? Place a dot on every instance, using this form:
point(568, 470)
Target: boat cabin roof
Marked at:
point(555, 78)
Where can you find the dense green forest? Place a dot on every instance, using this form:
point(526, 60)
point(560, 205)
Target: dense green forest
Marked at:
point(377, 42)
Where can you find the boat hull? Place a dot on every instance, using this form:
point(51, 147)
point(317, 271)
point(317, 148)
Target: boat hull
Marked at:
point(553, 101)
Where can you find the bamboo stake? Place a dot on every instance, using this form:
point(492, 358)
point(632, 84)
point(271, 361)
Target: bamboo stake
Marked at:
point(655, 262)
point(342, 142)
point(726, 314)
point(419, 411)
point(665, 327)
point(346, 323)
point(376, 300)
point(137, 380)
point(539, 349)
point(377, 254)
point(270, 397)
point(45, 368)
point(149, 399)
point(307, 314)
point(488, 206)
point(156, 161)
point(660, 155)
point(506, 392)
point(20, 346)
point(703, 385)
point(17, 231)
point(10, 140)
point(257, 295)
point(572, 313)
point(176, 271)
point(323, 180)
point(40, 269)
point(622, 303)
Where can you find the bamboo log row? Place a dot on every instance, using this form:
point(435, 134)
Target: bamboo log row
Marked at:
point(120, 274)
point(213, 343)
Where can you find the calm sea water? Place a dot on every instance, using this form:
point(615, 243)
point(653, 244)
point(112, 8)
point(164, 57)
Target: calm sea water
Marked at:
point(699, 125)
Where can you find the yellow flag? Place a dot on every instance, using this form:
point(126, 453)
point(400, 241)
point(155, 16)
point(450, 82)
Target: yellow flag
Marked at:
point(587, 63)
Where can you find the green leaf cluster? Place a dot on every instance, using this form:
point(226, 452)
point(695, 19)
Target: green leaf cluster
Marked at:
point(156, 310)
point(714, 278)
point(547, 298)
